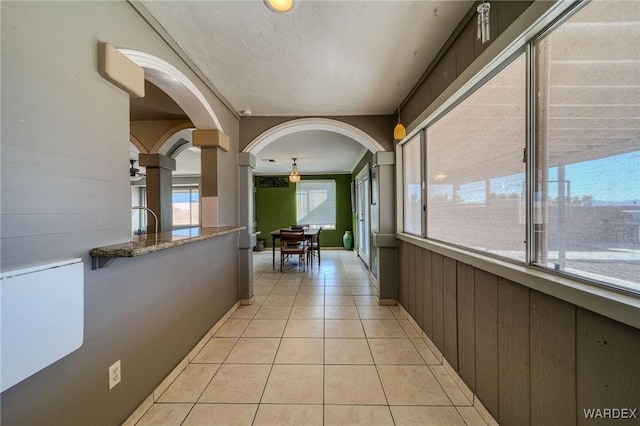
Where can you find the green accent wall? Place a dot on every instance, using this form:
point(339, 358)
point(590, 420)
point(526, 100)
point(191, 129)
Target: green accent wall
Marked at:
point(276, 208)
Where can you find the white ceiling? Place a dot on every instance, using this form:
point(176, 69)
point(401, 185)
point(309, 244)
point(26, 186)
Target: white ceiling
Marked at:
point(325, 58)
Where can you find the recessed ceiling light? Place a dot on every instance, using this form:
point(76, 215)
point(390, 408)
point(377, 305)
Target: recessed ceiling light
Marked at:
point(280, 6)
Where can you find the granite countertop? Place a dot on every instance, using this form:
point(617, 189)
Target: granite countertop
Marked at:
point(150, 243)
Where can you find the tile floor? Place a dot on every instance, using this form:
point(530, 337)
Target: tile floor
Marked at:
point(314, 349)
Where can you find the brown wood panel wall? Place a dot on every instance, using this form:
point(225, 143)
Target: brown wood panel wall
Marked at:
point(411, 280)
point(553, 358)
point(607, 367)
point(437, 279)
point(450, 312)
point(513, 353)
point(417, 267)
point(466, 325)
point(427, 293)
point(404, 262)
point(487, 340)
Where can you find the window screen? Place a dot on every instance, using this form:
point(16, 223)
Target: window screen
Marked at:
point(475, 171)
point(587, 185)
point(316, 203)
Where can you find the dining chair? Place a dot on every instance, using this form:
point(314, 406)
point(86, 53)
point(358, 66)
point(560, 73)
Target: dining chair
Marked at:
point(293, 242)
point(314, 248)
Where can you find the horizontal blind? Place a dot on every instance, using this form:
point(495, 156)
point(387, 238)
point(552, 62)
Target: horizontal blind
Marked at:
point(316, 203)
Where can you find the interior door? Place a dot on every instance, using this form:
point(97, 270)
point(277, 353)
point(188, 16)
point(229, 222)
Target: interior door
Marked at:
point(362, 211)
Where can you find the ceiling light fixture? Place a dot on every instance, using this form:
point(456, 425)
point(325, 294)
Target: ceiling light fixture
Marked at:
point(280, 6)
point(399, 132)
point(294, 177)
point(483, 22)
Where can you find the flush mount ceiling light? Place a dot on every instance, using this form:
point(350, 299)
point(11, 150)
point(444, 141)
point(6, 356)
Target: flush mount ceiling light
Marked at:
point(399, 132)
point(483, 22)
point(280, 6)
point(294, 177)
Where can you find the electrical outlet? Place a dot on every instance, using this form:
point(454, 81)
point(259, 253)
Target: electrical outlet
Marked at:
point(115, 374)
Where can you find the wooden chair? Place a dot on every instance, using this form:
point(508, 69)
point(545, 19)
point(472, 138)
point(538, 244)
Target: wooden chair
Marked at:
point(293, 242)
point(314, 248)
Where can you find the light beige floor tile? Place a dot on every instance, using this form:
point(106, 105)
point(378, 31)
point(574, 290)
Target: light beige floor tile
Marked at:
point(339, 300)
point(426, 416)
point(280, 300)
point(309, 300)
point(454, 392)
point(273, 312)
point(221, 415)
point(338, 291)
point(294, 384)
point(264, 283)
point(276, 415)
point(471, 416)
point(336, 282)
point(411, 385)
point(258, 301)
point(285, 290)
point(232, 328)
point(410, 329)
point(300, 350)
point(245, 312)
point(383, 329)
point(237, 384)
point(190, 384)
point(165, 415)
point(343, 329)
point(311, 290)
point(347, 351)
point(262, 291)
point(359, 282)
point(292, 277)
point(254, 350)
point(307, 312)
point(398, 312)
point(394, 351)
point(353, 384)
point(215, 351)
point(375, 312)
point(366, 301)
point(341, 312)
point(265, 328)
point(364, 291)
point(304, 328)
point(315, 283)
point(425, 352)
point(355, 415)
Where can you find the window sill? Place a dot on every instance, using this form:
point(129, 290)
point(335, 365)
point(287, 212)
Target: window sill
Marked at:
point(613, 304)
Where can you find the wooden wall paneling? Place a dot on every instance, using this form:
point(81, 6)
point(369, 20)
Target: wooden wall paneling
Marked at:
point(487, 340)
point(417, 267)
point(466, 325)
point(404, 266)
point(607, 367)
point(450, 312)
point(464, 48)
point(437, 274)
point(427, 293)
point(513, 353)
point(553, 359)
point(411, 301)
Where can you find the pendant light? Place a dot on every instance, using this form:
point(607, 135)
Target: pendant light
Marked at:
point(294, 177)
point(399, 132)
point(279, 6)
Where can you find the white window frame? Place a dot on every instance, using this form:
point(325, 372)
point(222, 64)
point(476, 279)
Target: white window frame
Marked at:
point(332, 217)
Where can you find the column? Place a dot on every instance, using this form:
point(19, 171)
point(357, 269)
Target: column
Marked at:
point(247, 238)
point(385, 238)
point(209, 141)
point(159, 190)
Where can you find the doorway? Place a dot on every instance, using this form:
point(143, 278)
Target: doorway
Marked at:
point(362, 214)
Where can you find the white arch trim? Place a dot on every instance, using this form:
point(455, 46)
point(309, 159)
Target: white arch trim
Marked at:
point(302, 124)
point(186, 94)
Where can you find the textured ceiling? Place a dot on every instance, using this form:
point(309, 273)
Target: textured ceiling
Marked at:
point(323, 58)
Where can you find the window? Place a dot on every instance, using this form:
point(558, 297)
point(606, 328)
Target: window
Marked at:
point(412, 167)
point(475, 170)
point(186, 207)
point(587, 187)
point(316, 203)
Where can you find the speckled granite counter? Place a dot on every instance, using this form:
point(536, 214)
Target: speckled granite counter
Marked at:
point(150, 243)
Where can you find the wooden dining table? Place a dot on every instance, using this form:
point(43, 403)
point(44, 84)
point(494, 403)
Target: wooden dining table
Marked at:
point(309, 233)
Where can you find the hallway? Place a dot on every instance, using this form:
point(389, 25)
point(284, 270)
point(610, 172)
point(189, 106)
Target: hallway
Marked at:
point(314, 349)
